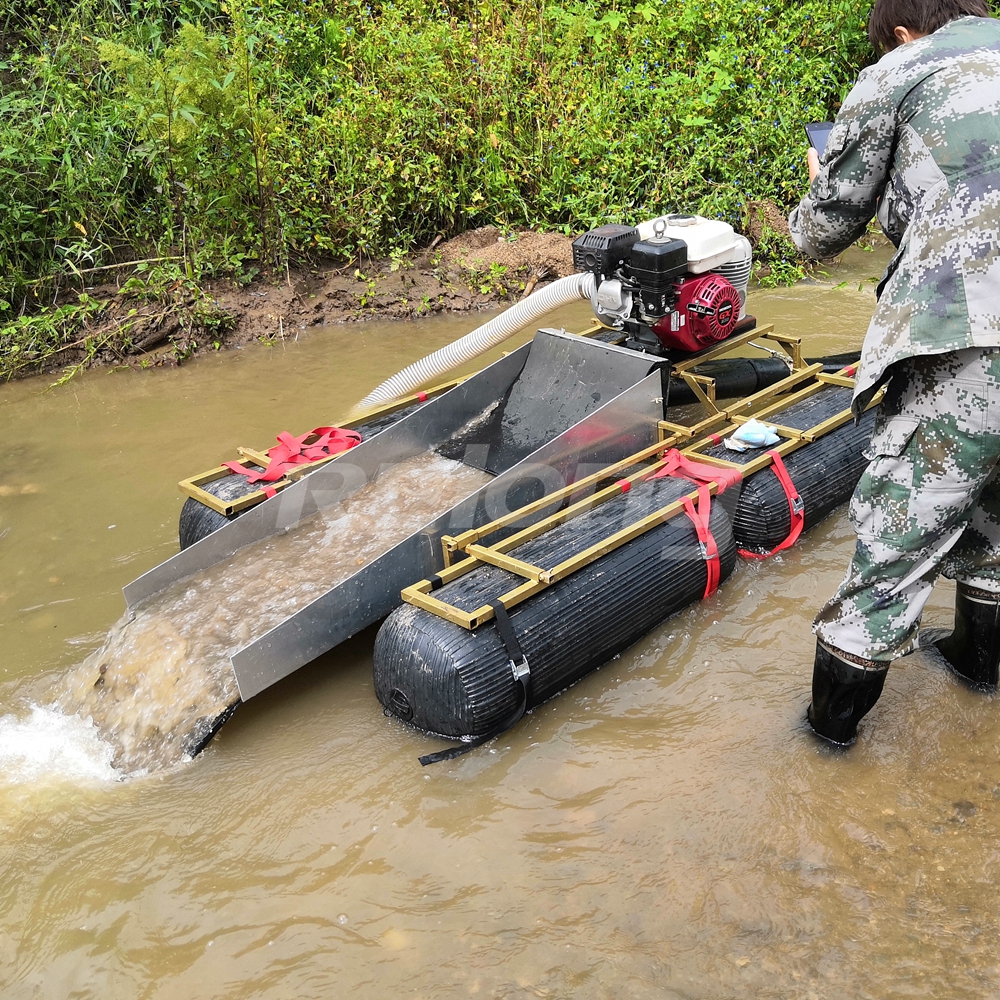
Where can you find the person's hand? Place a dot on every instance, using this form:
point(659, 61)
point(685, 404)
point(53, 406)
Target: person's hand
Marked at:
point(813, 159)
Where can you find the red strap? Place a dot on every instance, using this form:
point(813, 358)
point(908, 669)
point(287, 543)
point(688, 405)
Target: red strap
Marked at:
point(706, 541)
point(795, 506)
point(291, 451)
point(681, 467)
point(252, 475)
point(624, 484)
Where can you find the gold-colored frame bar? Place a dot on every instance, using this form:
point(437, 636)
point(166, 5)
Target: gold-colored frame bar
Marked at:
point(249, 456)
point(725, 347)
point(193, 488)
point(537, 578)
point(760, 403)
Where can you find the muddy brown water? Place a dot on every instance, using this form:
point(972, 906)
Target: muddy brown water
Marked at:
point(665, 829)
point(163, 676)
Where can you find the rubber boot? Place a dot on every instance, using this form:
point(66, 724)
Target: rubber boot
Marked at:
point(973, 648)
point(844, 690)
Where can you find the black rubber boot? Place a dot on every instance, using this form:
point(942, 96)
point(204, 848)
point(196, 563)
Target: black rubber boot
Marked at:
point(973, 648)
point(843, 692)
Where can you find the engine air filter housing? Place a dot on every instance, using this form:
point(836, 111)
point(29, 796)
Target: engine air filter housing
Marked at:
point(655, 265)
point(604, 250)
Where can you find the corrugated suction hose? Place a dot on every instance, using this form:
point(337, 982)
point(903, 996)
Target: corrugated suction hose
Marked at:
point(489, 335)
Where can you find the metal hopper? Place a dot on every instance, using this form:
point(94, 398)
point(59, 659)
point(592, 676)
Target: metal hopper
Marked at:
point(542, 417)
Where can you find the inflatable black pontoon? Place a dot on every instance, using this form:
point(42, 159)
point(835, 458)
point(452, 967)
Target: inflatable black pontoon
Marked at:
point(463, 677)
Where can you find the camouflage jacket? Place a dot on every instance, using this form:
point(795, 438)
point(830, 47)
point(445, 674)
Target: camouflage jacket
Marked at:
point(918, 138)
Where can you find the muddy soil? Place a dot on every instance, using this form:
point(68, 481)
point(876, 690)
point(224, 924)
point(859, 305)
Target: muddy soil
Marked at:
point(478, 270)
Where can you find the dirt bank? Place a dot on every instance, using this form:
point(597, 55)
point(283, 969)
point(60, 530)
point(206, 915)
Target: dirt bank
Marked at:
point(142, 322)
point(476, 270)
point(159, 317)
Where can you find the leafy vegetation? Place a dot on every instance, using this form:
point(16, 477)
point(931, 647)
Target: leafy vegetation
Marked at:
point(237, 136)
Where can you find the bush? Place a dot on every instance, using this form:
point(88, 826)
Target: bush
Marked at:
point(239, 135)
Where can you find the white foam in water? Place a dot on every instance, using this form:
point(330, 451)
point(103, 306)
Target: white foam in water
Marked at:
point(159, 680)
point(51, 746)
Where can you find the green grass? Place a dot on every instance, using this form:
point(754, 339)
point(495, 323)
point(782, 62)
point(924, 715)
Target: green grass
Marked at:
point(241, 137)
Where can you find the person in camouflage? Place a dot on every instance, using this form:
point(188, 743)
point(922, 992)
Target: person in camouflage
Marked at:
point(918, 139)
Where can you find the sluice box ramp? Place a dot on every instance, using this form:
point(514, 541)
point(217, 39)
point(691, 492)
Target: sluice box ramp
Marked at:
point(544, 416)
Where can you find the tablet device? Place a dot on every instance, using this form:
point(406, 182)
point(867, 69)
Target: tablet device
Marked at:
point(818, 133)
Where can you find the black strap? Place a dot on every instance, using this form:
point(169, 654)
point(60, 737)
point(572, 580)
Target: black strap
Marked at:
point(462, 748)
point(522, 678)
point(435, 581)
point(518, 661)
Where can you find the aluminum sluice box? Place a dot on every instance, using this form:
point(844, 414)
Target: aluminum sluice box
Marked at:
point(551, 412)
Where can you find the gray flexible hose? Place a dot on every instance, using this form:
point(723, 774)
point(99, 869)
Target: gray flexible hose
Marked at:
point(497, 330)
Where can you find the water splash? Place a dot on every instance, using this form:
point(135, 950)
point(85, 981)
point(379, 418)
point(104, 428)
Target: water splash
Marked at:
point(49, 746)
point(162, 682)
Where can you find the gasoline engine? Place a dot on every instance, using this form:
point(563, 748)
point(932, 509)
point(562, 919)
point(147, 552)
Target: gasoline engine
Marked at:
point(677, 283)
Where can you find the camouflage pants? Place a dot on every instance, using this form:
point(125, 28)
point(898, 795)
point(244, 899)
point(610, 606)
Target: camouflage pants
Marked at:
point(928, 503)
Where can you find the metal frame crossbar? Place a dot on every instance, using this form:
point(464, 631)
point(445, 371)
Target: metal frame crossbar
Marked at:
point(193, 487)
point(465, 552)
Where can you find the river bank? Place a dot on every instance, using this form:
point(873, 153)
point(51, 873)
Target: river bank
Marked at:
point(154, 317)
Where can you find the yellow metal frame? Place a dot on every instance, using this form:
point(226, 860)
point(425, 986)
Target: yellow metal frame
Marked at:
point(193, 487)
point(703, 386)
point(464, 553)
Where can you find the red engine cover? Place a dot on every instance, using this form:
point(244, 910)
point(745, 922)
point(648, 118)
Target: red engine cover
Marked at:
point(707, 311)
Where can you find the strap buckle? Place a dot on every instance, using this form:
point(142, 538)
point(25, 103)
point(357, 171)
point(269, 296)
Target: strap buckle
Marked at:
point(796, 506)
point(520, 669)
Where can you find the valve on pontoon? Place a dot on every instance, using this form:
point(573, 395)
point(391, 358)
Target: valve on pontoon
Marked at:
point(677, 283)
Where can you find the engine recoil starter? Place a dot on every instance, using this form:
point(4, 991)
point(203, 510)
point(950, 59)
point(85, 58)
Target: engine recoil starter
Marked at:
point(706, 311)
